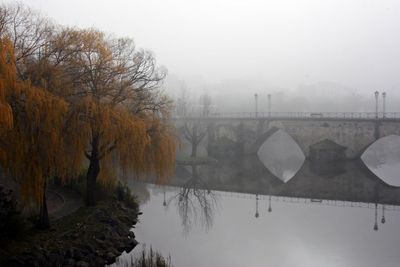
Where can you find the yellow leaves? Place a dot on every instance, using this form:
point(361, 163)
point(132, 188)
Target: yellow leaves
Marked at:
point(7, 83)
point(42, 135)
point(7, 67)
point(161, 152)
point(128, 144)
point(36, 142)
point(33, 142)
point(6, 117)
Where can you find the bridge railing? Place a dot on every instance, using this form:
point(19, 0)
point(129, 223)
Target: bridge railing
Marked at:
point(336, 115)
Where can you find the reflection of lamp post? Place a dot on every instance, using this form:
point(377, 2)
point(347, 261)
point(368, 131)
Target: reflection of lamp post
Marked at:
point(376, 104)
point(376, 217)
point(383, 214)
point(384, 104)
point(269, 105)
point(257, 214)
point(256, 103)
point(164, 202)
point(269, 205)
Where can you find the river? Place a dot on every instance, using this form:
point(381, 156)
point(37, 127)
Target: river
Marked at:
point(241, 213)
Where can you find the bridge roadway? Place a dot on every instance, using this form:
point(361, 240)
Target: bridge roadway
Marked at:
point(317, 116)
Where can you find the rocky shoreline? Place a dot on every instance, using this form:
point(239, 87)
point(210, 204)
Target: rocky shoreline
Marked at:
point(91, 236)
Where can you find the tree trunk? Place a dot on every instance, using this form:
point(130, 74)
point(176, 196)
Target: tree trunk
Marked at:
point(194, 149)
point(194, 142)
point(92, 173)
point(44, 221)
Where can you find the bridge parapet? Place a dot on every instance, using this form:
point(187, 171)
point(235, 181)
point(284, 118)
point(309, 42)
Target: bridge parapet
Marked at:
point(299, 115)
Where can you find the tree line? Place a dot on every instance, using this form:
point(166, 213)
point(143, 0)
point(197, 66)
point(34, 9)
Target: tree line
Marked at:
point(77, 98)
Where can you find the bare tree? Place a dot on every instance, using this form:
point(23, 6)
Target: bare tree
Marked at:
point(194, 133)
point(206, 104)
point(195, 130)
point(29, 31)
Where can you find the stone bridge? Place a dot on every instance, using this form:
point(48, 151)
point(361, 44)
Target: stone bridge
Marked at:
point(245, 134)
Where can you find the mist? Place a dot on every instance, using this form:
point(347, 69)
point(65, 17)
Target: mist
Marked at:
point(302, 52)
point(219, 133)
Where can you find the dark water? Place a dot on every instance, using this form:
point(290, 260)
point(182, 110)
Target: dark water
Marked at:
point(243, 213)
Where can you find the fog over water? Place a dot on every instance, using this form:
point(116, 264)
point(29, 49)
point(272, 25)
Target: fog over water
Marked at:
point(319, 55)
point(229, 205)
point(293, 234)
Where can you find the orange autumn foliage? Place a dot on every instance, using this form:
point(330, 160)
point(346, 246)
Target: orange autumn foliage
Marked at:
point(128, 144)
point(83, 95)
point(7, 83)
point(33, 145)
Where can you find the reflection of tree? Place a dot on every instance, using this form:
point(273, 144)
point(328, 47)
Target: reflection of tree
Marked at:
point(195, 202)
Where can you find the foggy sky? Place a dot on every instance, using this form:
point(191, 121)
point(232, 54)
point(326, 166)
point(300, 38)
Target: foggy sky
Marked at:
point(264, 44)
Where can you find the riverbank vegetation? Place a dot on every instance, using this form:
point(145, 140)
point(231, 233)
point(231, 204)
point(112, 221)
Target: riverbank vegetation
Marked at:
point(83, 110)
point(150, 258)
point(73, 99)
point(90, 236)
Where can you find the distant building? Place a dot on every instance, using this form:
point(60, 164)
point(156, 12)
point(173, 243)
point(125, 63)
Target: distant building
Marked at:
point(327, 151)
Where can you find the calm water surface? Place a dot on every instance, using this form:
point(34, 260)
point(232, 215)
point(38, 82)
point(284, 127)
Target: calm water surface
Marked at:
point(344, 216)
point(293, 234)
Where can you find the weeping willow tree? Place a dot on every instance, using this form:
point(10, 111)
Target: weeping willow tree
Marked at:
point(34, 145)
point(119, 111)
point(103, 98)
point(7, 82)
point(115, 105)
point(117, 140)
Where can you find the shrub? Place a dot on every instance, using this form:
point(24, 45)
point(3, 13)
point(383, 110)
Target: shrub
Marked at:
point(124, 194)
point(10, 220)
point(150, 258)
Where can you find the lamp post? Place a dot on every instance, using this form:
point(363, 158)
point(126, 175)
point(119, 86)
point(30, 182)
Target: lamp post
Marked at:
point(376, 104)
point(256, 103)
point(269, 105)
point(384, 104)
